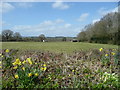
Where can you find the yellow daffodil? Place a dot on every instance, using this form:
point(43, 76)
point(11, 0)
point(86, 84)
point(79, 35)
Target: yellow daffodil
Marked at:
point(100, 49)
point(14, 63)
point(29, 60)
point(44, 65)
point(24, 62)
point(15, 67)
point(113, 53)
point(16, 76)
point(73, 70)
point(29, 74)
point(23, 68)
point(18, 61)
point(43, 68)
point(36, 74)
point(106, 54)
point(7, 50)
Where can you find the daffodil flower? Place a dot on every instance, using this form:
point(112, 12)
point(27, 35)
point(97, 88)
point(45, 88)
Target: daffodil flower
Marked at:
point(15, 67)
point(24, 62)
point(113, 53)
point(43, 68)
point(29, 74)
point(29, 60)
point(73, 70)
point(14, 63)
point(36, 74)
point(106, 55)
point(18, 61)
point(7, 50)
point(100, 49)
point(16, 76)
point(44, 65)
point(23, 68)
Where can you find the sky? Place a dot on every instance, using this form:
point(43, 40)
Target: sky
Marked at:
point(52, 18)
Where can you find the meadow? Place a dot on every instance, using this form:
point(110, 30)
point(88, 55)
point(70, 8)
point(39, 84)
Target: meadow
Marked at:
point(59, 65)
point(56, 47)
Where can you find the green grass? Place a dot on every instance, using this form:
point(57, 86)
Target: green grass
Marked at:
point(57, 47)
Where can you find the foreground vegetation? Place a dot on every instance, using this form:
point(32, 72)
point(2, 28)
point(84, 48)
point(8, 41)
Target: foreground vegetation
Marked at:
point(55, 47)
point(97, 68)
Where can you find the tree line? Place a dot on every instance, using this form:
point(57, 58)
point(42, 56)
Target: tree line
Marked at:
point(105, 31)
point(9, 35)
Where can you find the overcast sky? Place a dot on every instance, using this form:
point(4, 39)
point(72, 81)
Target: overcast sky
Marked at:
point(52, 18)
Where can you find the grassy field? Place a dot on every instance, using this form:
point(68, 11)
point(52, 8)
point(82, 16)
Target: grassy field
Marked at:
point(57, 47)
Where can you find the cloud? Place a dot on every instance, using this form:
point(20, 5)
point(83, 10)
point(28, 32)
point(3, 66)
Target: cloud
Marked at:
point(6, 7)
point(59, 21)
point(95, 20)
point(49, 27)
point(60, 5)
point(103, 11)
point(67, 25)
point(83, 17)
point(24, 4)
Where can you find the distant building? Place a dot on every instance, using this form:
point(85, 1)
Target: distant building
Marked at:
point(44, 41)
point(74, 40)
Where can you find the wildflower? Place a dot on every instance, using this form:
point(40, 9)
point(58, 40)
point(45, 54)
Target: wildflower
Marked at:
point(113, 53)
point(43, 69)
point(2, 56)
point(24, 62)
point(35, 63)
point(69, 75)
point(0, 66)
point(16, 76)
point(44, 65)
point(106, 55)
point(18, 61)
point(36, 74)
point(7, 50)
point(73, 70)
point(14, 63)
point(0, 62)
point(29, 60)
point(100, 49)
point(15, 67)
point(23, 68)
point(29, 74)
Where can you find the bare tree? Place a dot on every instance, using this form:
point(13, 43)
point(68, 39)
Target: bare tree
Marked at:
point(42, 37)
point(17, 36)
point(7, 35)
